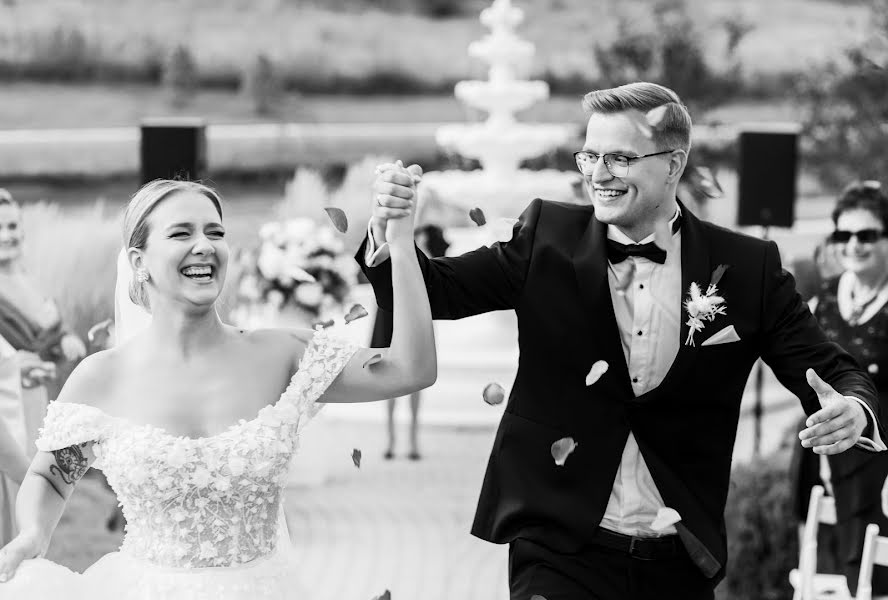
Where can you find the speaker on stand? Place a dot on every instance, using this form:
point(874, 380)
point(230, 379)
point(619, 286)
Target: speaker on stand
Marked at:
point(173, 149)
point(767, 173)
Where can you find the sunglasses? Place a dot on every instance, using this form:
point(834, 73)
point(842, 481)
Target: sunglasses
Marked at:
point(864, 236)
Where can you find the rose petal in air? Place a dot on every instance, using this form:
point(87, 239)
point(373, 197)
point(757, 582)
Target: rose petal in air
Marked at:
point(873, 369)
point(372, 360)
point(477, 216)
point(493, 394)
point(356, 457)
point(323, 324)
point(354, 313)
point(338, 218)
point(595, 373)
point(655, 116)
point(666, 517)
point(386, 595)
point(562, 449)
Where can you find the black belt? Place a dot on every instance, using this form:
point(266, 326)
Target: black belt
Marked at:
point(642, 548)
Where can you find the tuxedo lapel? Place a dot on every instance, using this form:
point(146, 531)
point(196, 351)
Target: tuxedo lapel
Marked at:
point(590, 268)
point(694, 267)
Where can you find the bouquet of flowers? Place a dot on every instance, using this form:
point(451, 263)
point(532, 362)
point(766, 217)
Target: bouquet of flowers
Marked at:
point(299, 262)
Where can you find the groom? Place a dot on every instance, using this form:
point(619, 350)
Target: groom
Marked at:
point(589, 284)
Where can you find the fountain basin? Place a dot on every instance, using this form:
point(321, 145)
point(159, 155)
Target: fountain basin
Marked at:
point(503, 97)
point(500, 147)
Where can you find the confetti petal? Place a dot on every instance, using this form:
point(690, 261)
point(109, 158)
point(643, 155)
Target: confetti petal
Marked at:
point(372, 360)
point(873, 369)
point(356, 457)
point(99, 332)
point(717, 274)
point(354, 313)
point(386, 595)
point(562, 449)
point(663, 235)
point(323, 324)
point(655, 116)
point(666, 517)
point(493, 394)
point(595, 373)
point(338, 218)
point(477, 216)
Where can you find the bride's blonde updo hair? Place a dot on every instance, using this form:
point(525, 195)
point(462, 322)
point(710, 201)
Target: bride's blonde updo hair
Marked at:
point(135, 220)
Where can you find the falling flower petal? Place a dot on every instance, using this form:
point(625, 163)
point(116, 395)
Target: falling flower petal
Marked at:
point(717, 274)
point(655, 116)
point(663, 235)
point(477, 216)
point(493, 394)
point(356, 457)
point(372, 360)
point(338, 218)
point(597, 370)
point(354, 313)
point(562, 449)
point(386, 595)
point(873, 369)
point(322, 324)
point(666, 517)
point(99, 332)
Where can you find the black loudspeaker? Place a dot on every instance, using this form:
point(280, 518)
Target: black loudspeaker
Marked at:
point(173, 149)
point(767, 177)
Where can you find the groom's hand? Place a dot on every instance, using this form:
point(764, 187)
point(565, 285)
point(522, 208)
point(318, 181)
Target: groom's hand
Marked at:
point(838, 425)
point(394, 196)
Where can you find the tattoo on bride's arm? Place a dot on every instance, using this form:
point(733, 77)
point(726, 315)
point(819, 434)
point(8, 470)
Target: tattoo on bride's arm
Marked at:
point(71, 464)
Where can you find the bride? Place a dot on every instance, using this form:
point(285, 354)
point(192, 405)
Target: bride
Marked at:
point(194, 421)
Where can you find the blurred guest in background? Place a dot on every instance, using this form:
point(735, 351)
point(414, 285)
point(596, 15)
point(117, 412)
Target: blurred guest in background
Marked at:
point(430, 239)
point(13, 459)
point(852, 309)
point(30, 321)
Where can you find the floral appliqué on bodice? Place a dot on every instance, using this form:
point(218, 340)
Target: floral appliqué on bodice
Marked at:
point(205, 502)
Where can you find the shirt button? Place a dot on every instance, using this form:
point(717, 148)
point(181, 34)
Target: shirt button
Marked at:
point(635, 380)
point(641, 286)
point(640, 332)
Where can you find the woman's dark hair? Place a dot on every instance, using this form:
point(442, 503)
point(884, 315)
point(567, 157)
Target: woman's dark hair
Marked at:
point(863, 195)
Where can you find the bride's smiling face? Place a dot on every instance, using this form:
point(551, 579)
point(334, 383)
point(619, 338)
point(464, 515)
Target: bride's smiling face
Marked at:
point(186, 254)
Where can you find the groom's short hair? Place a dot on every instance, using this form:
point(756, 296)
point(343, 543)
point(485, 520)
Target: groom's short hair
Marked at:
point(673, 129)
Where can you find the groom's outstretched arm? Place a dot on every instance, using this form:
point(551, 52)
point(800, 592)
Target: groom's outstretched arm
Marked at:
point(793, 342)
point(480, 281)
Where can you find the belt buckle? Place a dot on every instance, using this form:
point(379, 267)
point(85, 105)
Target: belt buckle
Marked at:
point(634, 550)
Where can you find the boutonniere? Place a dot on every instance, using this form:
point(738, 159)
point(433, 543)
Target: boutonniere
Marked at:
point(703, 306)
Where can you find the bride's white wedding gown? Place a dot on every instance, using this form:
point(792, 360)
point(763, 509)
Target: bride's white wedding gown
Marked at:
point(202, 514)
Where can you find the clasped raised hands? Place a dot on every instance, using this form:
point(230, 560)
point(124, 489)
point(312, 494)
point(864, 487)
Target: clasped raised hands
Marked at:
point(394, 202)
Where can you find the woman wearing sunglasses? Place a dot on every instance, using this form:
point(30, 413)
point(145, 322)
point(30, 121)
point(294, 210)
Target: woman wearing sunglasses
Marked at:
point(852, 309)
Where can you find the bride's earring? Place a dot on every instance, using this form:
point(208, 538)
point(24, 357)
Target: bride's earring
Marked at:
point(141, 275)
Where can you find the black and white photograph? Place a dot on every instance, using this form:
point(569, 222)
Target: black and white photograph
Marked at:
point(444, 299)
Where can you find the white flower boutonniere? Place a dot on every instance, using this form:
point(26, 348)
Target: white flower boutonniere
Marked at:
point(702, 306)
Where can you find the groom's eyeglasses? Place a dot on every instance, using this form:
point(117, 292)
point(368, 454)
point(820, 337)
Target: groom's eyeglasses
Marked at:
point(864, 236)
point(617, 164)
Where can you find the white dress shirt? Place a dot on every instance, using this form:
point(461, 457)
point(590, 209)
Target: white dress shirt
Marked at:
point(647, 305)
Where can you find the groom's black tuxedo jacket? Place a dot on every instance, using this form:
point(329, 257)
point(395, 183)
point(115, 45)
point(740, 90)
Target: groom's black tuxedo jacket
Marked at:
point(553, 273)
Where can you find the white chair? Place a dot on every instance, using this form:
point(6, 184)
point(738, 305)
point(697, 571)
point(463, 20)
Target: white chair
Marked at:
point(875, 552)
point(808, 584)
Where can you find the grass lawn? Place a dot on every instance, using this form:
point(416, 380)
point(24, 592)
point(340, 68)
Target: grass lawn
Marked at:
point(315, 44)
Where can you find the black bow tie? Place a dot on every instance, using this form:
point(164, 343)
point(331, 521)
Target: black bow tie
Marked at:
point(617, 252)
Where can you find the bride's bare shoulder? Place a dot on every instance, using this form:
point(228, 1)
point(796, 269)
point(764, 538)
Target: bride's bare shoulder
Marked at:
point(92, 379)
point(291, 342)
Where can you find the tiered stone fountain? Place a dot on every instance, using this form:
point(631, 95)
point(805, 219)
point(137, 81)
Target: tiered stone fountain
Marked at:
point(500, 187)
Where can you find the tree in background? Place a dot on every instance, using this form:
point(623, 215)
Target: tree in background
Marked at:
point(180, 76)
point(261, 84)
point(846, 125)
